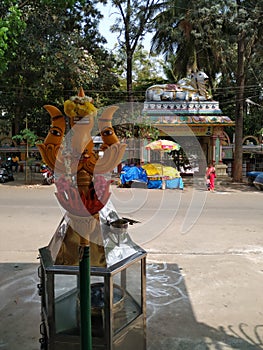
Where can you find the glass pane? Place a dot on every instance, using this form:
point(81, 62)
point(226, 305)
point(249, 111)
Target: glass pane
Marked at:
point(64, 283)
point(126, 296)
point(66, 304)
point(134, 287)
point(97, 306)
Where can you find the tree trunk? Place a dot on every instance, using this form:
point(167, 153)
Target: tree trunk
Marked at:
point(238, 155)
point(129, 77)
point(18, 116)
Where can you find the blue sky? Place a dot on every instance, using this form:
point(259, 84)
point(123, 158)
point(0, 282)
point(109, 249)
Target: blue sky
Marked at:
point(106, 22)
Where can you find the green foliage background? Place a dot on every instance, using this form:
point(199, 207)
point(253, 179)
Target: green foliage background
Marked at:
point(48, 49)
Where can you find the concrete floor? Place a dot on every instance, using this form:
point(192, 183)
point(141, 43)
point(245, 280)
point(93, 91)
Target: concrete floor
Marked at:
point(182, 313)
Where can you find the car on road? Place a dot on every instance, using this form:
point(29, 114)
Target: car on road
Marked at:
point(258, 182)
point(251, 176)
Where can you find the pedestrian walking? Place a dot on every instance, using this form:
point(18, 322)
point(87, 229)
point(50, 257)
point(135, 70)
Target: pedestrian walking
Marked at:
point(210, 176)
point(15, 162)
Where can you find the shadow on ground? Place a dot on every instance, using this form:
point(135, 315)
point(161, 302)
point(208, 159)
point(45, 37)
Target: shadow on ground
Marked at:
point(171, 323)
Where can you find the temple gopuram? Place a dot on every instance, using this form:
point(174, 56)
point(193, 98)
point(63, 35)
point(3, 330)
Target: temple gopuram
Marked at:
point(184, 110)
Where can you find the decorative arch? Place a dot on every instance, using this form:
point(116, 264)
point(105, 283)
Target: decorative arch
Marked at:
point(247, 138)
point(225, 139)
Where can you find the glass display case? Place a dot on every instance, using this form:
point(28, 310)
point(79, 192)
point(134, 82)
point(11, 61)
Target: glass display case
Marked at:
point(118, 291)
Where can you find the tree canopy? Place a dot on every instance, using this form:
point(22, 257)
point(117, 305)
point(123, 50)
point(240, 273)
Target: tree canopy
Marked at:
point(11, 26)
point(59, 50)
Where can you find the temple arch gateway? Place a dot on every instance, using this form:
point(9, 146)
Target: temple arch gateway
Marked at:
point(189, 115)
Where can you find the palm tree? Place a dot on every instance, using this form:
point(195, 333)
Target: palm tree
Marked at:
point(173, 37)
point(191, 35)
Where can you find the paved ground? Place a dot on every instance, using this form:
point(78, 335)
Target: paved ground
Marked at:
point(204, 269)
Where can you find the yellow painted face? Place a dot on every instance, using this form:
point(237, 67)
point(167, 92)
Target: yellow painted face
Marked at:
point(58, 126)
point(108, 136)
point(56, 132)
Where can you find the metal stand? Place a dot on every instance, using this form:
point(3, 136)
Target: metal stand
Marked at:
point(85, 298)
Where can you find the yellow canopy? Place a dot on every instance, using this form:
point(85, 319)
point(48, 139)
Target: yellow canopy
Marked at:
point(159, 169)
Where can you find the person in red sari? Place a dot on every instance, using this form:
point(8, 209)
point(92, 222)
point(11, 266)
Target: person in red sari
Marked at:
point(210, 177)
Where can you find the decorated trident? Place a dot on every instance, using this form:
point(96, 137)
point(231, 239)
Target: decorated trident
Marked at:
point(82, 190)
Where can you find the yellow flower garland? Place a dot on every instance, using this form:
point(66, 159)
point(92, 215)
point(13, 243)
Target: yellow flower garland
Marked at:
point(79, 106)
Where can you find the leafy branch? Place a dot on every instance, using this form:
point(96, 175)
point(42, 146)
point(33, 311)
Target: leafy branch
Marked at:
point(26, 135)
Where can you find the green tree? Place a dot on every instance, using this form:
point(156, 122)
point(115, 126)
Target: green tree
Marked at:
point(131, 25)
point(28, 136)
point(249, 36)
point(146, 70)
point(192, 34)
point(11, 27)
point(58, 52)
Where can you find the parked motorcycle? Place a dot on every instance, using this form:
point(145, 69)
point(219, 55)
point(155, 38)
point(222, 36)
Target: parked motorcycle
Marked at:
point(48, 175)
point(6, 171)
